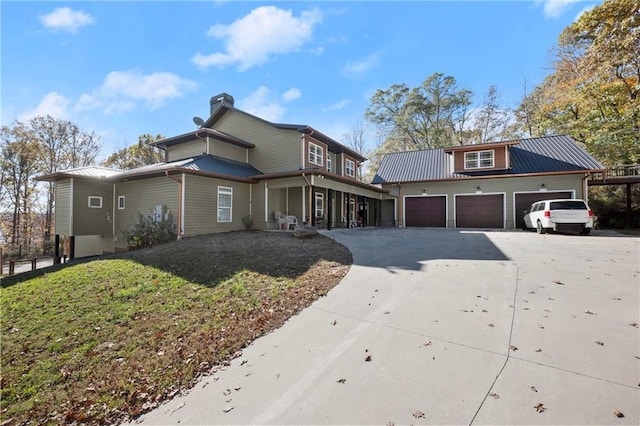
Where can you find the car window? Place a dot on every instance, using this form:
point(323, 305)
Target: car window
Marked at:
point(568, 205)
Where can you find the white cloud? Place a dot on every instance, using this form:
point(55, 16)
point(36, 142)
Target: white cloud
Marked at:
point(291, 94)
point(263, 103)
point(122, 90)
point(362, 66)
point(66, 19)
point(555, 8)
point(53, 104)
point(253, 39)
point(337, 105)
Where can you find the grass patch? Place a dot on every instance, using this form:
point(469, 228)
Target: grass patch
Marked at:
point(109, 339)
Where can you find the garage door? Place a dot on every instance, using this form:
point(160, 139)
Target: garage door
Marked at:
point(425, 211)
point(524, 201)
point(480, 211)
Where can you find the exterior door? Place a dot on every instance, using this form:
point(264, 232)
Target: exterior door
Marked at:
point(480, 211)
point(426, 211)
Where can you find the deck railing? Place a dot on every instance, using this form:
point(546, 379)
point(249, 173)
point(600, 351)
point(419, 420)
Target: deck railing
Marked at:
point(624, 170)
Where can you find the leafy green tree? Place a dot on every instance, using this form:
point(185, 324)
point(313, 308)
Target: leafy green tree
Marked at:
point(592, 94)
point(136, 155)
point(428, 116)
point(491, 119)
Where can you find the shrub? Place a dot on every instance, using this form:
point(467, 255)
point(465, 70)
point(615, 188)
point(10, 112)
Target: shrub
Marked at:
point(148, 232)
point(248, 222)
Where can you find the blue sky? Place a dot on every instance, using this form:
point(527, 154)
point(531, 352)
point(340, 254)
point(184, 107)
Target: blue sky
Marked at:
point(121, 69)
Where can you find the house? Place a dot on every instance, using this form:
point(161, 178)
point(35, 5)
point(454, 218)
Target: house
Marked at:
point(484, 185)
point(233, 167)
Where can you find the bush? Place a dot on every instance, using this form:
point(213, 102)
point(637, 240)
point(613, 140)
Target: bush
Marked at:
point(148, 232)
point(609, 204)
point(248, 223)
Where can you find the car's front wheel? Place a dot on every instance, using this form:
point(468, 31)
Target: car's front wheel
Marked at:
point(540, 229)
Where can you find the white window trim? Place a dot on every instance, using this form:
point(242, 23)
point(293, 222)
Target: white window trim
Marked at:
point(94, 197)
point(121, 206)
point(346, 168)
point(225, 190)
point(328, 162)
point(478, 159)
point(319, 196)
point(316, 154)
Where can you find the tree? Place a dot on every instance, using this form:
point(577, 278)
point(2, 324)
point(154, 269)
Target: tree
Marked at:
point(357, 140)
point(137, 155)
point(429, 116)
point(492, 119)
point(592, 94)
point(19, 167)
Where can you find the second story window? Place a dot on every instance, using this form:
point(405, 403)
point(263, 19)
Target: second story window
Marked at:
point(316, 154)
point(478, 159)
point(328, 162)
point(349, 168)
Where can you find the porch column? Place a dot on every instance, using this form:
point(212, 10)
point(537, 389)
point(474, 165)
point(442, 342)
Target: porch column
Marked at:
point(329, 208)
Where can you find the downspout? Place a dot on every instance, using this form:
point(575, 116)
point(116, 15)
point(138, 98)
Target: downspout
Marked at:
point(585, 188)
point(180, 204)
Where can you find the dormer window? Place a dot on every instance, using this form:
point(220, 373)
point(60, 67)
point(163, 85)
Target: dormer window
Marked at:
point(316, 154)
point(349, 168)
point(479, 159)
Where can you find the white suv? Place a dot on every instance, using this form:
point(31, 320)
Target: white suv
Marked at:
point(559, 215)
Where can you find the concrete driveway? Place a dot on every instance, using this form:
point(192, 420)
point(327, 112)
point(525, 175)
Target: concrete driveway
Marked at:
point(442, 326)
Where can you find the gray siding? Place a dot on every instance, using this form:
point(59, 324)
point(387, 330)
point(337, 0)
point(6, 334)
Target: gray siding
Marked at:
point(186, 150)
point(92, 221)
point(142, 196)
point(276, 150)
point(227, 150)
point(508, 186)
point(201, 205)
point(63, 207)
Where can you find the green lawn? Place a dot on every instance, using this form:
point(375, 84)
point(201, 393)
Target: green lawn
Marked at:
point(113, 337)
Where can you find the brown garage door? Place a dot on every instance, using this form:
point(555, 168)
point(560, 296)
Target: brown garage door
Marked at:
point(425, 211)
point(524, 201)
point(480, 211)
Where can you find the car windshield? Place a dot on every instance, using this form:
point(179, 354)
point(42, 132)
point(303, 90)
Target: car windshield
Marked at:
point(567, 205)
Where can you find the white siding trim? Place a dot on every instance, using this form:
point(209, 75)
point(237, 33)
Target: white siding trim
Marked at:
point(183, 188)
point(266, 203)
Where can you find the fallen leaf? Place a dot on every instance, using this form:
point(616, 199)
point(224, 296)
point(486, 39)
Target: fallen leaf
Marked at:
point(226, 410)
point(558, 282)
point(237, 388)
point(513, 347)
point(533, 388)
point(334, 322)
point(538, 350)
point(598, 342)
point(226, 392)
point(491, 325)
point(484, 310)
point(418, 414)
point(387, 312)
point(368, 358)
point(634, 324)
point(590, 313)
point(427, 343)
point(494, 395)
point(616, 298)
point(539, 407)
point(341, 381)
point(618, 413)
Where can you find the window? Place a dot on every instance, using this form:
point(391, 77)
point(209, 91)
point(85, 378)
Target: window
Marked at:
point(328, 162)
point(478, 159)
point(319, 204)
point(225, 202)
point(121, 202)
point(349, 168)
point(95, 202)
point(316, 154)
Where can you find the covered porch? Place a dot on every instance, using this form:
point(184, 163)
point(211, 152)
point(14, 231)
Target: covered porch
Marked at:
point(324, 201)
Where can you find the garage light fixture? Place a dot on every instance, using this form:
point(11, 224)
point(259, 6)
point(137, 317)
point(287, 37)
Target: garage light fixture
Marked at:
point(478, 190)
point(543, 187)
